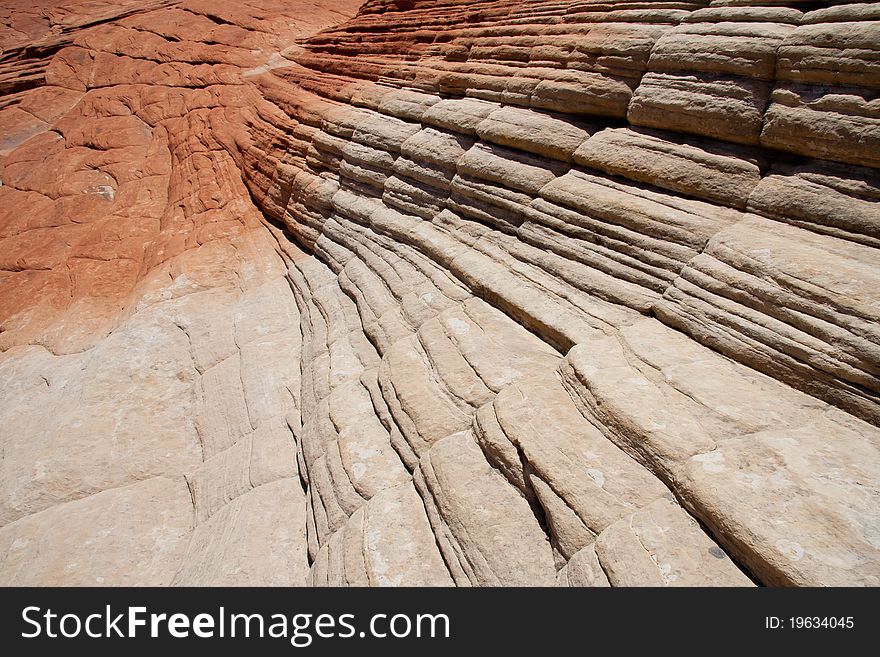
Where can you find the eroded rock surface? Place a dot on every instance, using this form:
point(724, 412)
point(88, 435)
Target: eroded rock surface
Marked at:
point(151, 340)
point(440, 293)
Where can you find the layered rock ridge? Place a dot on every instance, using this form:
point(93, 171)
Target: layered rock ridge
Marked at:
point(529, 292)
point(604, 278)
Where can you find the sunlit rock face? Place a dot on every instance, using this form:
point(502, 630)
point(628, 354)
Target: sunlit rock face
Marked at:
point(440, 292)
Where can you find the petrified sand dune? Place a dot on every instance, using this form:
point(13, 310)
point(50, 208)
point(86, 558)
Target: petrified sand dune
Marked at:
point(440, 292)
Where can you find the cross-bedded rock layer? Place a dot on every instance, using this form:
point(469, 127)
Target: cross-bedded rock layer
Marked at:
point(588, 294)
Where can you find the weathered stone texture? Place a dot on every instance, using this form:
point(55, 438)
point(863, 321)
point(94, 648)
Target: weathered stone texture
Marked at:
point(442, 292)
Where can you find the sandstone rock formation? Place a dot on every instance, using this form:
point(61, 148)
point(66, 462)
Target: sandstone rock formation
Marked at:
point(440, 292)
